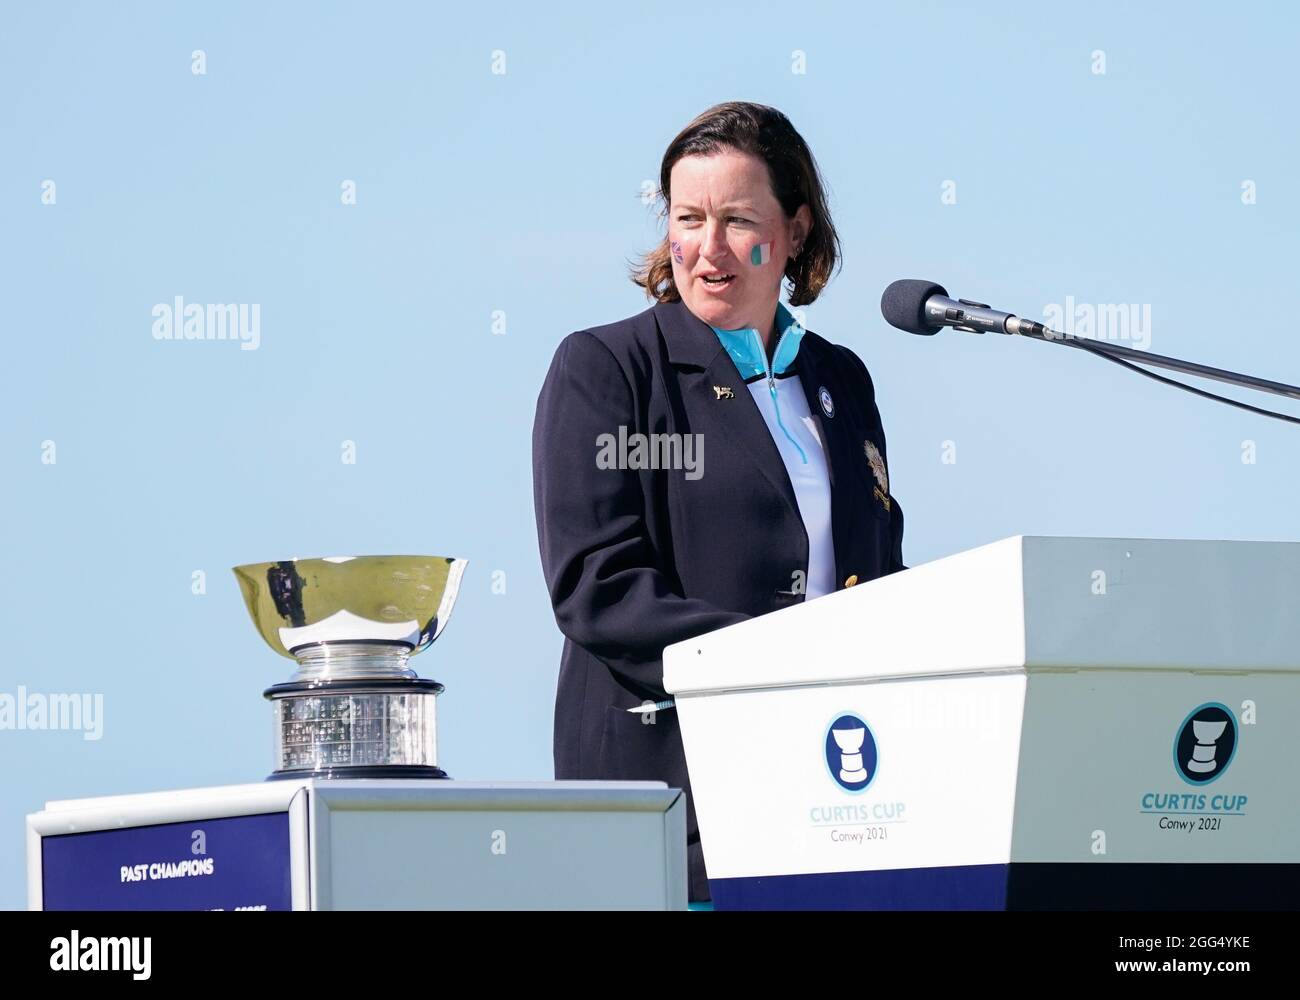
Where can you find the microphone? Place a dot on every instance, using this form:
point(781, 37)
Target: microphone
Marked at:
point(923, 307)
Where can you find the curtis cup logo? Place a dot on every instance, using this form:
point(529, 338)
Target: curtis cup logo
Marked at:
point(1205, 743)
point(851, 755)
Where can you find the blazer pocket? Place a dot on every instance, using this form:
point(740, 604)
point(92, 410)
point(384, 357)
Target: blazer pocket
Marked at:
point(632, 749)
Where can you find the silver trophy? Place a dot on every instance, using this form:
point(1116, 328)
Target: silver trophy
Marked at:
point(354, 708)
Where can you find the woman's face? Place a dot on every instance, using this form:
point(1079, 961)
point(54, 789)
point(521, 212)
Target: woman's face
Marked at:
point(723, 219)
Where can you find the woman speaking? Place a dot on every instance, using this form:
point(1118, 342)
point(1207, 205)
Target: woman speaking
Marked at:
point(706, 460)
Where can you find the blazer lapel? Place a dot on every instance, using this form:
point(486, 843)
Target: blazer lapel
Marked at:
point(737, 422)
point(816, 373)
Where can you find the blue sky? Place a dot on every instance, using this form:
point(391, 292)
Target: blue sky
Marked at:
point(484, 196)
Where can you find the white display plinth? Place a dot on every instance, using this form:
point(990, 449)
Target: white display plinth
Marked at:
point(313, 844)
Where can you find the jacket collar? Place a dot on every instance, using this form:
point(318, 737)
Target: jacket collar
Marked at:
point(691, 341)
point(746, 345)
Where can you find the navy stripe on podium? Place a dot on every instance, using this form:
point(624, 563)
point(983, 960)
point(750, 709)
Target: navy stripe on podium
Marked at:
point(969, 887)
point(1023, 886)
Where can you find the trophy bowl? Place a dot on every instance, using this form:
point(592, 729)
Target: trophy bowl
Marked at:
point(850, 740)
point(354, 707)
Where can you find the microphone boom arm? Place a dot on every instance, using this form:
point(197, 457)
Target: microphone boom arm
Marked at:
point(1157, 360)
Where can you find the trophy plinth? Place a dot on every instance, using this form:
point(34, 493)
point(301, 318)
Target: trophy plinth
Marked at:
point(354, 708)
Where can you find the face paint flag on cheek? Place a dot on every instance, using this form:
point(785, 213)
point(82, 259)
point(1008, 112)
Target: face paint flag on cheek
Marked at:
point(762, 253)
point(677, 251)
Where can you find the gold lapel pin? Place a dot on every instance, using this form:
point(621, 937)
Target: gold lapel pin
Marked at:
point(723, 392)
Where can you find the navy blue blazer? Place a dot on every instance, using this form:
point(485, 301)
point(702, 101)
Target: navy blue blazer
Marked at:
point(637, 559)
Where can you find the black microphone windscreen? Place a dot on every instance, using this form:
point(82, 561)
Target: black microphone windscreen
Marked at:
point(903, 304)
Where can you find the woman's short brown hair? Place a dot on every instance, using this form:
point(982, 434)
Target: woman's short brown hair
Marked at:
point(767, 134)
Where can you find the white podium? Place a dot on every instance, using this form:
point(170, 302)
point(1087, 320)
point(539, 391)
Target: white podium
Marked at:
point(311, 844)
point(1074, 723)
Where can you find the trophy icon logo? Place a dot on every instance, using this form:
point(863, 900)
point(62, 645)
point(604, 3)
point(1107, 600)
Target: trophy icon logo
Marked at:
point(1206, 743)
point(851, 753)
point(1207, 734)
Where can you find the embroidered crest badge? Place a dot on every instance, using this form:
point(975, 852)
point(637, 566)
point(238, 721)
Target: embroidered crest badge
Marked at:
point(877, 462)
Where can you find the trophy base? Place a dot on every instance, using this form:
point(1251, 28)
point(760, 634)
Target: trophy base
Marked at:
point(390, 771)
point(356, 728)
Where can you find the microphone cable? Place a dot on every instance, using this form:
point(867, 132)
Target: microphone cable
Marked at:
point(1101, 352)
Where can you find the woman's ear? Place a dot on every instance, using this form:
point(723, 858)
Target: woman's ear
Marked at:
point(800, 229)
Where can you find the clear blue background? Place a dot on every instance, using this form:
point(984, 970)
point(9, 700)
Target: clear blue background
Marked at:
point(522, 193)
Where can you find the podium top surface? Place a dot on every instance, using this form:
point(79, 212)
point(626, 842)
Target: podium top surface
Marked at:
point(107, 812)
point(1027, 603)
